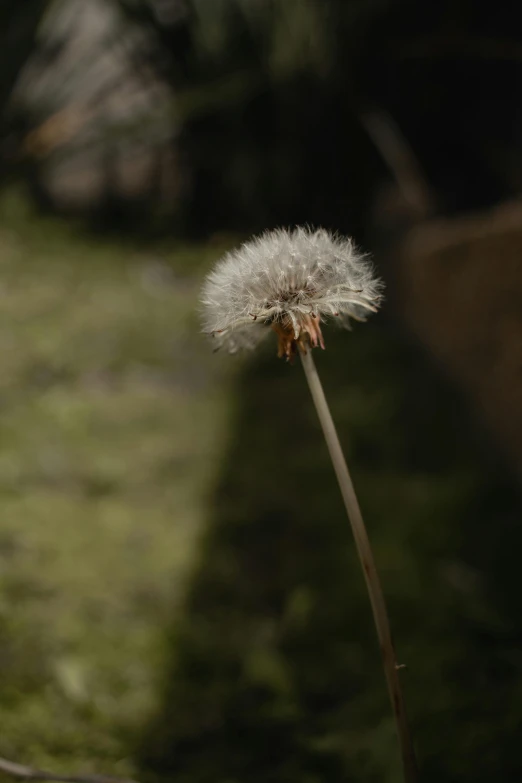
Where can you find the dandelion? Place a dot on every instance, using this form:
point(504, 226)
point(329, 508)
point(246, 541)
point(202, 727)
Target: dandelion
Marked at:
point(291, 282)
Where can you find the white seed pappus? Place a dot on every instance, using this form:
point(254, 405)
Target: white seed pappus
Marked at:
point(287, 277)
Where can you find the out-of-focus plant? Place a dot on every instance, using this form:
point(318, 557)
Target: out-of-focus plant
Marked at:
point(18, 32)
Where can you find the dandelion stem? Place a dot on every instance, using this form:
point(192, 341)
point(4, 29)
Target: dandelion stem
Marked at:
point(364, 550)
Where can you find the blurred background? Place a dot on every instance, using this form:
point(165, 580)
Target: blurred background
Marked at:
point(179, 594)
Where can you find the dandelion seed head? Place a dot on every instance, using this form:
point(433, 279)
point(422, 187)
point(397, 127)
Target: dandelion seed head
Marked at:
point(292, 281)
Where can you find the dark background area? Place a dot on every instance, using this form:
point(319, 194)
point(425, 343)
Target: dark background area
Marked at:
point(398, 123)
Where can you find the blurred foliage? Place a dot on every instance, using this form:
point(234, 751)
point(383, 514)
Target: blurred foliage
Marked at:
point(280, 38)
point(19, 24)
point(266, 97)
point(290, 138)
point(18, 31)
point(260, 96)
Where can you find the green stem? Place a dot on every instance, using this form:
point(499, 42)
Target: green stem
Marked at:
point(364, 550)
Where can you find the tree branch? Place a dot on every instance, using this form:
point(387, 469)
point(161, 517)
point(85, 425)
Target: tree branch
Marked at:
point(402, 162)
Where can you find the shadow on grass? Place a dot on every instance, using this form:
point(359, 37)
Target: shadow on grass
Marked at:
point(275, 673)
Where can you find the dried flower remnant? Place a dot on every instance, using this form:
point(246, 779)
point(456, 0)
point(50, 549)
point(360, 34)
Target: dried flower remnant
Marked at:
point(291, 281)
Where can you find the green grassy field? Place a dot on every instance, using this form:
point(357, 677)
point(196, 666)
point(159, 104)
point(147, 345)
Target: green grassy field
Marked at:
point(112, 415)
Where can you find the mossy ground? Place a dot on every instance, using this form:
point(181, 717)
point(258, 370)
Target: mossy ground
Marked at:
point(112, 418)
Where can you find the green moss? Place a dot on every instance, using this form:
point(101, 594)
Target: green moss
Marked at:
point(112, 412)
